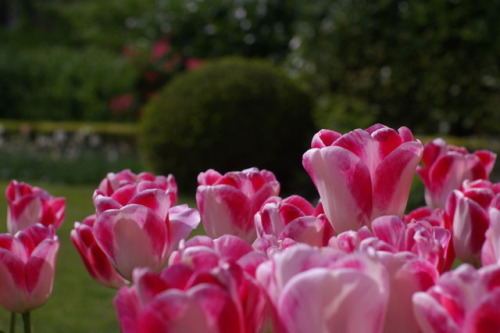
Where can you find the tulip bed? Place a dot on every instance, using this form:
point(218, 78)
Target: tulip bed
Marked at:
point(75, 293)
point(268, 263)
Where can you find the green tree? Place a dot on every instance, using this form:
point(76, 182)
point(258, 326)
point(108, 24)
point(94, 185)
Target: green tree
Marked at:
point(209, 29)
point(433, 65)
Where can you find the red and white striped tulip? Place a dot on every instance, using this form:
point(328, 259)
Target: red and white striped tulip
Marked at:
point(445, 167)
point(177, 300)
point(295, 218)
point(205, 288)
point(325, 290)
point(198, 250)
point(28, 205)
point(464, 300)
point(490, 253)
point(363, 174)
point(408, 254)
point(126, 178)
point(143, 235)
point(27, 267)
point(95, 260)
point(157, 195)
point(467, 212)
point(407, 274)
point(428, 242)
point(432, 215)
point(228, 202)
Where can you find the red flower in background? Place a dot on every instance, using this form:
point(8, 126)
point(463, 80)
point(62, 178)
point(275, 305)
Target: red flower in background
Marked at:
point(156, 68)
point(28, 205)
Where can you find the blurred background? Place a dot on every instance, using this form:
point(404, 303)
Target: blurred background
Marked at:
point(76, 76)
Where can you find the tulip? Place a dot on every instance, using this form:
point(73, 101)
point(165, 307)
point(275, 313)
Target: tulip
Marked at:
point(135, 225)
point(407, 274)
point(27, 268)
point(419, 237)
point(227, 248)
point(313, 290)
point(463, 300)
point(127, 179)
point(138, 236)
point(269, 244)
point(294, 218)
point(153, 305)
point(490, 252)
point(363, 174)
point(95, 260)
point(233, 262)
point(228, 203)
point(445, 167)
point(433, 216)
point(158, 196)
point(28, 205)
point(204, 289)
point(467, 213)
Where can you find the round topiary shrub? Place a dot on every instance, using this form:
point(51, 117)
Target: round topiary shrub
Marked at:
point(228, 115)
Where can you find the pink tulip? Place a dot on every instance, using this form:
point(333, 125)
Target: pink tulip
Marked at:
point(28, 205)
point(270, 244)
point(445, 167)
point(410, 256)
point(228, 203)
point(115, 181)
point(464, 300)
point(294, 218)
point(433, 216)
point(95, 260)
point(136, 225)
point(27, 267)
point(227, 248)
point(214, 256)
point(167, 303)
point(407, 274)
point(418, 237)
point(139, 236)
point(325, 291)
point(467, 214)
point(363, 174)
point(204, 289)
point(490, 252)
point(125, 188)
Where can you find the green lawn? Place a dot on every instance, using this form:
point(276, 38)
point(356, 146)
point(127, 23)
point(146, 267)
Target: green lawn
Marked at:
point(78, 303)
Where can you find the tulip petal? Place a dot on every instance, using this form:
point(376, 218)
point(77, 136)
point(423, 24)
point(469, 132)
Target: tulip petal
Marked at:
point(225, 210)
point(344, 185)
point(323, 300)
point(431, 316)
point(133, 236)
point(13, 291)
point(390, 192)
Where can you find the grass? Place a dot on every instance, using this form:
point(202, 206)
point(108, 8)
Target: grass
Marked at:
point(78, 303)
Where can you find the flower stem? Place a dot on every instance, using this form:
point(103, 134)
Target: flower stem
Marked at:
point(27, 322)
point(12, 328)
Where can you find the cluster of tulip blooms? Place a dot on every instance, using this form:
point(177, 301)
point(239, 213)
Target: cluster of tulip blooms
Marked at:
point(354, 262)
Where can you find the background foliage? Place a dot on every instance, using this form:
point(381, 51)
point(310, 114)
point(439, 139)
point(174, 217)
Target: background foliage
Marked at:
point(57, 83)
point(229, 114)
point(433, 64)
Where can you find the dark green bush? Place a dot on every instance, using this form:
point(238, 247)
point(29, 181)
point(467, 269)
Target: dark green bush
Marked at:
point(55, 83)
point(228, 115)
